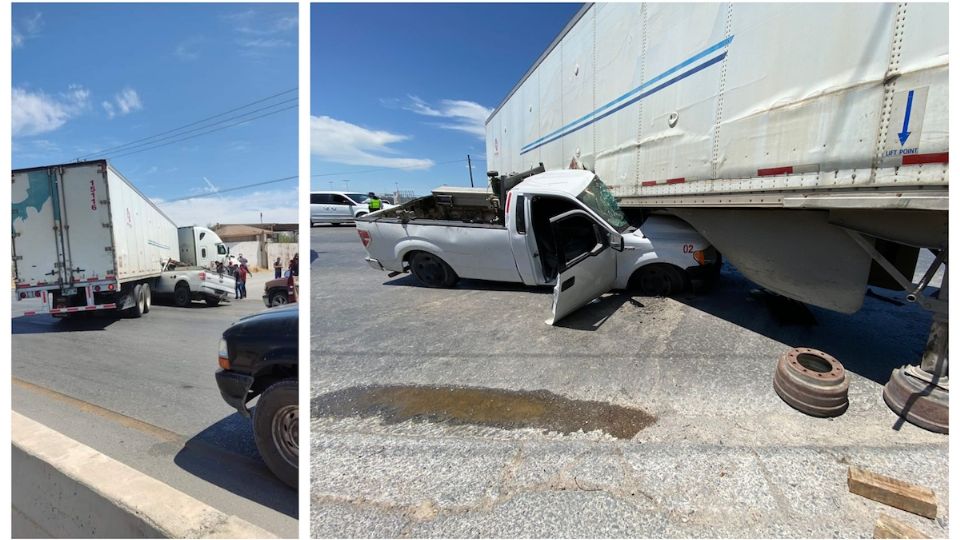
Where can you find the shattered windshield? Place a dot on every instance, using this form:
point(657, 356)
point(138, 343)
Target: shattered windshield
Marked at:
point(599, 199)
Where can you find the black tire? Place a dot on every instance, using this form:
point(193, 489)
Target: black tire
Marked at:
point(212, 301)
point(335, 224)
point(275, 422)
point(432, 271)
point(138, 301)
point(658, 280)
point(278, 298)
point(181, 295)
point(147, 298)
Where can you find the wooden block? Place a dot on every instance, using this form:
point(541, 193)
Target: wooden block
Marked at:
point(887, 527)
point(892, 492)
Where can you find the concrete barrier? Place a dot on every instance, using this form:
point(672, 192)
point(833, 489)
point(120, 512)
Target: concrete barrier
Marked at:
point(62, 488)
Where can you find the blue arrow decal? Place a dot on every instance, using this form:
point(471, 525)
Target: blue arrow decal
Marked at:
point(904, 134)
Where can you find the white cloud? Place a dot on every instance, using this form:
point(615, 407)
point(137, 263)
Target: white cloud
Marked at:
point(262, 33)
point(343, 142)
point(465, 116)
point(26, 28)
point(124, 102)
point(188, 49)
point(37, 112)
point(278, 206)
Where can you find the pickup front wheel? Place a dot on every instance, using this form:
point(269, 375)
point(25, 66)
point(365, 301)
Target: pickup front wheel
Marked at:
point(181, 295)
point(275, 428)
point(658, 280)
point(431, 271)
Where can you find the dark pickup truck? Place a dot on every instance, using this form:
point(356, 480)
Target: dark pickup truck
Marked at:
point(258, 357)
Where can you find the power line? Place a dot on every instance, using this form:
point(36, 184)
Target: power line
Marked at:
point(244, 121)
point(236, 188)
point(364, 171)
point(179, 136)
point(113, 148)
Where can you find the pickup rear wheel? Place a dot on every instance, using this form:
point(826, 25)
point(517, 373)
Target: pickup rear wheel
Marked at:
point(658, 280)
point(181, 295)
point(275, 429)
point(212, 301)
point(278, 298)
point(431, 270)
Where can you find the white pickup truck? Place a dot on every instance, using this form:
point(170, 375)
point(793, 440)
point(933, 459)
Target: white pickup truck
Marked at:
point(561, 228)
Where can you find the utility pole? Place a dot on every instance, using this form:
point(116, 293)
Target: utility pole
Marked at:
point(470, 168)
point(396, 196)
point(346, 185)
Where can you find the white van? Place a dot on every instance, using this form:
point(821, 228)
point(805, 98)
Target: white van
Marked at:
point(338, 207)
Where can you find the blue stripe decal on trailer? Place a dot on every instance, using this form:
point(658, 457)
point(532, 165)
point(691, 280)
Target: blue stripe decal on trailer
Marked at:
point(605, 110)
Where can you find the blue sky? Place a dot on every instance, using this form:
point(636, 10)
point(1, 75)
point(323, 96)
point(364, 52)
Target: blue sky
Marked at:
point(88, 77)
point(405, 88)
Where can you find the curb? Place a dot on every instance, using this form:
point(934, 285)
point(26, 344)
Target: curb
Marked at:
point(62, 488)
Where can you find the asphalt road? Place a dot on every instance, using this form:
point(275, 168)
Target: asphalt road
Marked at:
point(142, 391)
point(459, 412)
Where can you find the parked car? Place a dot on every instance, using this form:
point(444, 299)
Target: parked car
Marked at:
point(281, 291)
point(338, 207)
point(258, 357)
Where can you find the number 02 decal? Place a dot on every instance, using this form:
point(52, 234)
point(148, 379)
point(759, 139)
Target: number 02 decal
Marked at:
point(688, 248)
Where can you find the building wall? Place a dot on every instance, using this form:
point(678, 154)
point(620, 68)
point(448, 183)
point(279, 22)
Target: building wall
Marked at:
point(285, 251)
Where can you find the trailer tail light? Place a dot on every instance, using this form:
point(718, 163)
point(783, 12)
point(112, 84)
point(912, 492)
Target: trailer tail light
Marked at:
point(203, 276)
point(96, 288)
point(37, 294)
point(364, 237)
point(23, 295)
point(111, 287)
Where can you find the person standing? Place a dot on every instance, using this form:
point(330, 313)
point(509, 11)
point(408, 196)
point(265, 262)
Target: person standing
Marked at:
point(242, 281)
point(277, 268)
point(374, 204)
point(238, 285)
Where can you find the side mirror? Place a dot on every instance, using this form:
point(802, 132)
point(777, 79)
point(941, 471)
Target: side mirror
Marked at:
point(616, 241)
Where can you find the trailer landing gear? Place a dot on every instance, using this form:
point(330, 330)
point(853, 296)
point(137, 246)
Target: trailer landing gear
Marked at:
point(920, 394)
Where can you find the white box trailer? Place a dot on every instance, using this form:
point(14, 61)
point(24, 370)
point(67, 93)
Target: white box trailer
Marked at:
point(807, 142)
point(84, 239)
point(741, 107)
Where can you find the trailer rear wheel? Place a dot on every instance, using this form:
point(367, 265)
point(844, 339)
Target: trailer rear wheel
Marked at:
point(431, 270)
point(147, 298)
point(181, 295)
point(138, 302)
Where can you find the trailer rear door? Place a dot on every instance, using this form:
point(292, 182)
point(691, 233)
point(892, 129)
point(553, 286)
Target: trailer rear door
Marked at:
point(61, 222)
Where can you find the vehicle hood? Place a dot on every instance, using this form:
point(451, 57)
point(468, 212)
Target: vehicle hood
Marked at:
point(280, 322)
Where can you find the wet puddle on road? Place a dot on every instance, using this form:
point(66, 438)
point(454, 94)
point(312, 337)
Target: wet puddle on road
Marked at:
point(488, 407)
